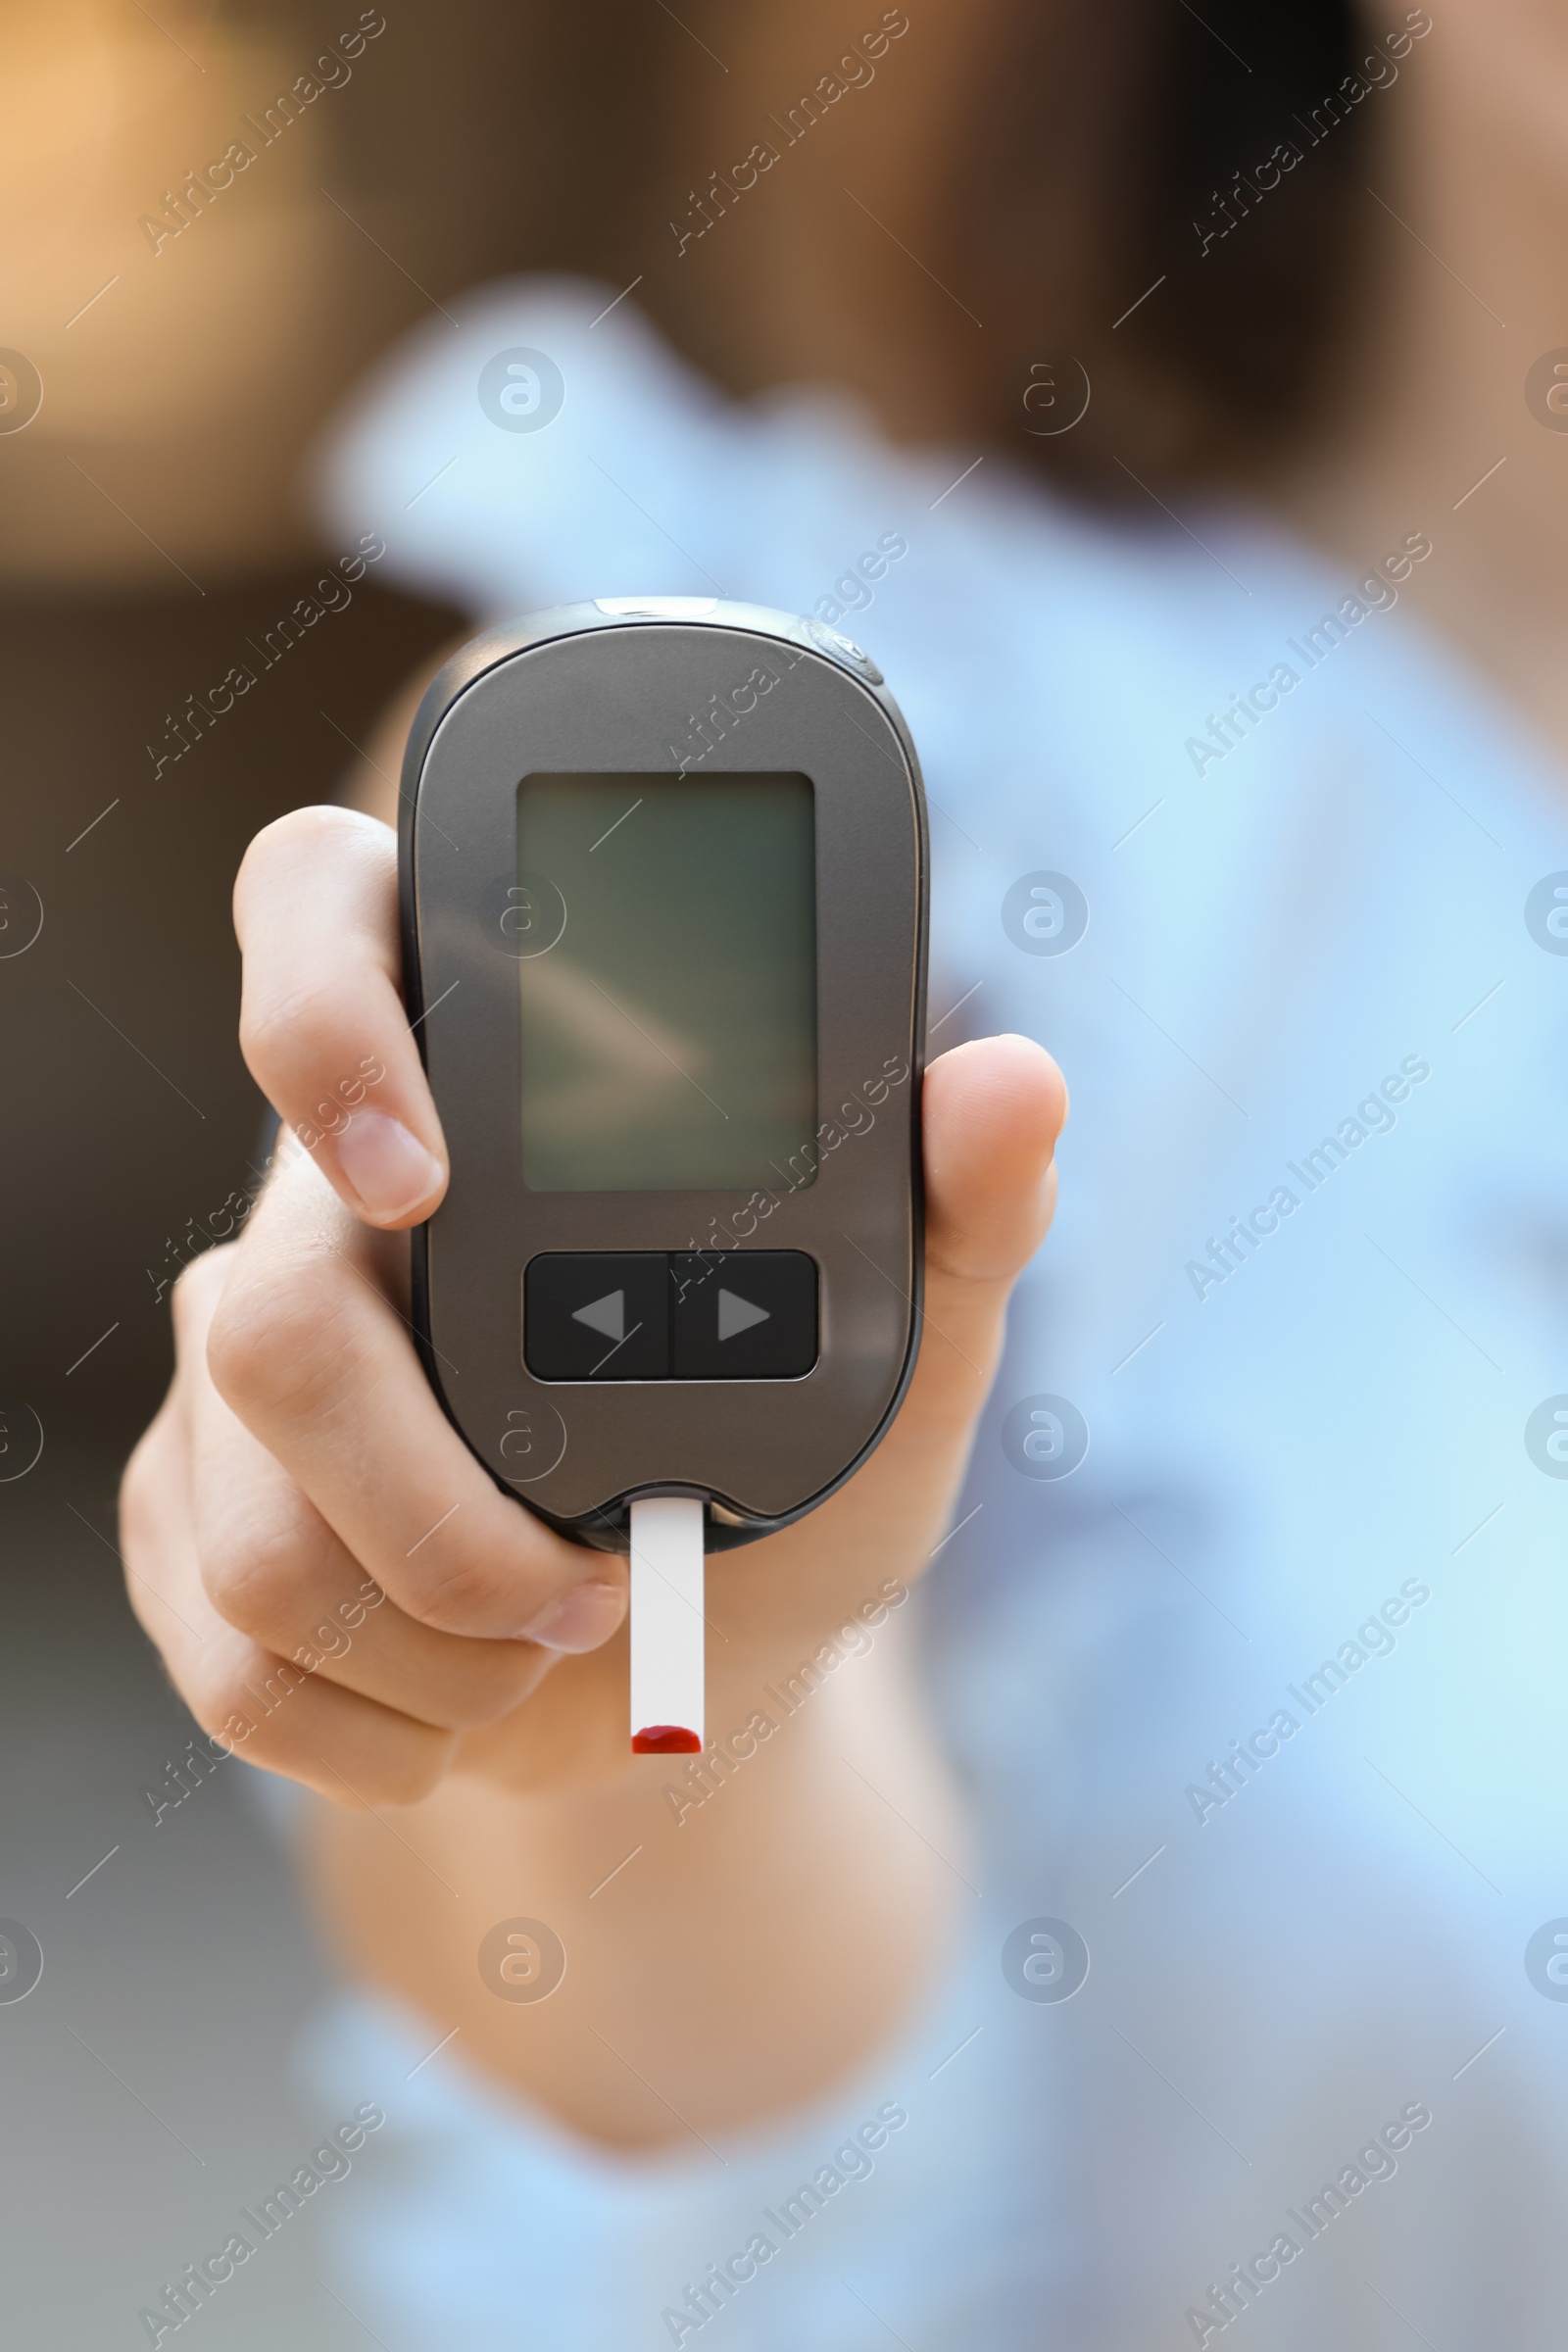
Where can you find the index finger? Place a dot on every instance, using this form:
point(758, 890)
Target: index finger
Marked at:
point(323, 1025)
point(306, 1350)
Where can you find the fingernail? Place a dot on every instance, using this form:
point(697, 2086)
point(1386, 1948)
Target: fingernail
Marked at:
point(580, 1618)
point(389, 1168)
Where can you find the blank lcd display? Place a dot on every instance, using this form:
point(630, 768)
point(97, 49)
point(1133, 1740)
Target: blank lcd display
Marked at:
point(669, 1002)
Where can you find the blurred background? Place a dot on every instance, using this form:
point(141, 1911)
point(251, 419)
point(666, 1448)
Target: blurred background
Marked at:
point(171, 345)
point(152, 528)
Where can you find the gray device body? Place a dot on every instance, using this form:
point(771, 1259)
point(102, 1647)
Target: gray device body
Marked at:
point(666, 699)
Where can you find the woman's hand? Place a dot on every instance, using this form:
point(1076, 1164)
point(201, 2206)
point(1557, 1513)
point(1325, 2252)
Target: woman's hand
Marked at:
point(340, 1591)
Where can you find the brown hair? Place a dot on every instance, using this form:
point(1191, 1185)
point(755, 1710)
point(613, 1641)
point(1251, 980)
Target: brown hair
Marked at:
point(1167, 198)
point(1107, 140)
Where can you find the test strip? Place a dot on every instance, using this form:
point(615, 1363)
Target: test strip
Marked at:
point(667, 1626)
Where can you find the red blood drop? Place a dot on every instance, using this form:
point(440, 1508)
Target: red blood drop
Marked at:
point(666, 1740)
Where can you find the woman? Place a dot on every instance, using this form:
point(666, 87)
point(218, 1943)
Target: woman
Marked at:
point(1236, 1716)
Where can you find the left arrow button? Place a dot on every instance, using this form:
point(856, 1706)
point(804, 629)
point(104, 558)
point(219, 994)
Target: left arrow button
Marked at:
point(607, 1315)
point(598, 1315)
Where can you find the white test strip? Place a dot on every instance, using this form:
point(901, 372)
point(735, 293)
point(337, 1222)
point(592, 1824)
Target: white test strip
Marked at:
point(666, 1624)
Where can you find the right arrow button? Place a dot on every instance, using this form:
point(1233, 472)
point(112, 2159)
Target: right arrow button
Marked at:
point(738, 1315)
point(743, 1314)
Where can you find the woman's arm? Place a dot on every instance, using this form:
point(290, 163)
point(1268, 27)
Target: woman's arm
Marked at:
point(343, 1594)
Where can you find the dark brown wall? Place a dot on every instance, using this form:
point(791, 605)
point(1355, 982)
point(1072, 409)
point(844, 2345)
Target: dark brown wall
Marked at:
point(106, 1157)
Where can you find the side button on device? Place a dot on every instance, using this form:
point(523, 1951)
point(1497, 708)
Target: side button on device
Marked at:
point(743, 1314)
point(597, 1315)
point(843, 648)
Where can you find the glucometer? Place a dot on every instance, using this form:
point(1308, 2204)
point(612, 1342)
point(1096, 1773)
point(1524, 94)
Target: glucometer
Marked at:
point(664, 885)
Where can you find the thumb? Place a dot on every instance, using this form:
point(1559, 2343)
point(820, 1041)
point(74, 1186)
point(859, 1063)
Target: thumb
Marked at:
point(992, 1113)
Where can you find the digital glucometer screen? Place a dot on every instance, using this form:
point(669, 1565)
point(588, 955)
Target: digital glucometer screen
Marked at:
point(667, 935)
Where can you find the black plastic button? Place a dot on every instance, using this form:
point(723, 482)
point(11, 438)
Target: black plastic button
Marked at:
point(743, 1314)
point(597, 1315)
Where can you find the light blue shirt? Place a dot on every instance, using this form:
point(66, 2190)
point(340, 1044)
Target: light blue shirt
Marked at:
point(1305, 1294)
